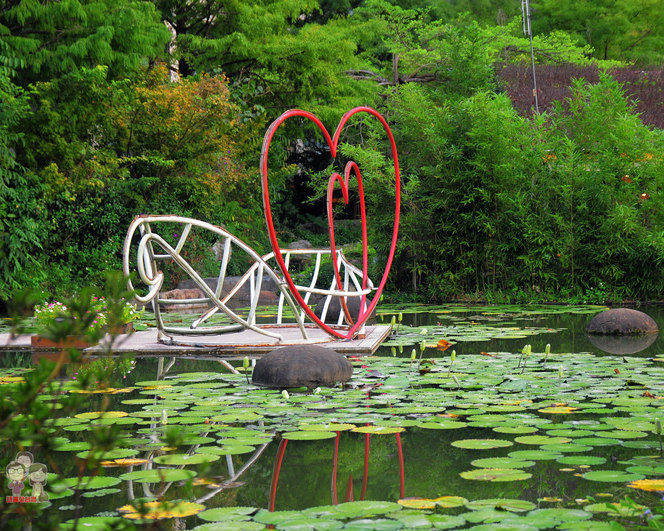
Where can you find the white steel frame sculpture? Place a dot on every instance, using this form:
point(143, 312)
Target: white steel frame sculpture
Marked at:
point(153, 250)
point(347, 282)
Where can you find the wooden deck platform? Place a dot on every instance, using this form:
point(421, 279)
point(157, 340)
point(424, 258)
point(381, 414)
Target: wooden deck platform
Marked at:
point(233, 345)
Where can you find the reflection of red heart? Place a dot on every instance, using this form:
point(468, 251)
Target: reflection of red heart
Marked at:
point(351, 167)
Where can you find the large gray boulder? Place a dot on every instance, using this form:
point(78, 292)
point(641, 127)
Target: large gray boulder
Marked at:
point(302, 366)
point(622, 321)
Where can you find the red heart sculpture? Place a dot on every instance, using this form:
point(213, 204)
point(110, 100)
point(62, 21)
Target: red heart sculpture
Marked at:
point(351, 167)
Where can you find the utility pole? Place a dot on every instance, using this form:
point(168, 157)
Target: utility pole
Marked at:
point(525, 12)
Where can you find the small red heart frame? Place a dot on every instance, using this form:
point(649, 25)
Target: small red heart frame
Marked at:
point(351, 168)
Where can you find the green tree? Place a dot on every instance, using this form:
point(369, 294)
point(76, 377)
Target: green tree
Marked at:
point(625, 30)
point(52, 38)
point(20, 231)
point(273, 56)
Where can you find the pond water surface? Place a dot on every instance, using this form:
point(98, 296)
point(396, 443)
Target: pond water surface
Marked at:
point(500, 437)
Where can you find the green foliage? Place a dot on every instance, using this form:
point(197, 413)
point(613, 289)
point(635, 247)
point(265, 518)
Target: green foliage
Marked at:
point(105, 151)
point(28, 409)
point(615, 29)
point(492, 202)
point(564, 202)
point(53, 38)
point(19, 226)
point(266, 46)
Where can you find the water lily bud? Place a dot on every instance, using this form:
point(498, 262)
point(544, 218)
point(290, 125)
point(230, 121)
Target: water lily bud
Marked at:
point(658, 426)
point(285, 394)
point(424, 331)
point(400, 317)
point(529, 349)
point(413, 355)
point(394, 351)
point(423, 346)
point(453, 356)
point(547, 349)
point(164, 417)
point(245, 363)
point(394, 320)
point(317, 391)
point(456, 380)
point(560, 372)
point(400, 349)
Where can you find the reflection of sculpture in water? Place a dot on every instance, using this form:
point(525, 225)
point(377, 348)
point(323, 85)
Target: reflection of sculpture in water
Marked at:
point(37, 477)
point(349, 494)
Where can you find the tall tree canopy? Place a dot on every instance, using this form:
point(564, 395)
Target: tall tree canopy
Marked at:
point(53, 38)
point(627, 30)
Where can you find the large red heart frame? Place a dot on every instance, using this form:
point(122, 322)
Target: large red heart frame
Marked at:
point(351, 167)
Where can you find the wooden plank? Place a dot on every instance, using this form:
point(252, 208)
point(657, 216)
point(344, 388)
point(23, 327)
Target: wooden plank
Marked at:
point(238, 344)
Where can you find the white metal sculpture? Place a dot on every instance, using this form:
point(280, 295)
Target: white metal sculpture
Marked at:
point(147, 246)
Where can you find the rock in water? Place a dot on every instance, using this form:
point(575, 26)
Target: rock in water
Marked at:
point(302, 366)
point(622, 321)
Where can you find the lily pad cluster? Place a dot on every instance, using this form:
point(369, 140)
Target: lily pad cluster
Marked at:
point(496, 424)
point(460, 324)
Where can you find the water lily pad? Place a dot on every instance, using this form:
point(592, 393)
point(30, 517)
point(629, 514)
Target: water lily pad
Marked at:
point(101, 414)
point(442, 425)
point(222, 514)
point(534, 455)
point(481, 444)
point(91, 482)
point(558, 410)
point(544, 518)
point(158, 510)
point(611, 476)
point(512, 524)
point(501, 504)
point(496, 474)
point(378, 430)
point(449, 502)
point(231, 449)
point(515, 430)
point(185, 459)
point(116, 453)
point(379, 524)
point(231, 525)
point(91, 523)
point(502, 462)
point(302, 523)
point(304, 435)
point(417, 503)
point(158, 475)
point(591, 525)
point(99, 493)
point(541, 439)
point(366, 508)
point(566, 448)
point(332, 426)
point(576, 460)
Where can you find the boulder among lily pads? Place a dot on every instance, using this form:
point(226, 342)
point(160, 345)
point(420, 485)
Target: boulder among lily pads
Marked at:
point(302, 366)
point(622, 322)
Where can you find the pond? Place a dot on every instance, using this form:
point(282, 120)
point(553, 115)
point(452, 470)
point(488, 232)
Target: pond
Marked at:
point(498, 436)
